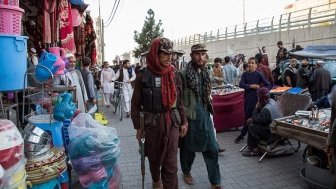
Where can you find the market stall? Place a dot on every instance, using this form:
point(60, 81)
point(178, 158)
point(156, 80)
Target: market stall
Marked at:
point(308, 127)
point(228, 105)
point(304, 127)
point(47, 31)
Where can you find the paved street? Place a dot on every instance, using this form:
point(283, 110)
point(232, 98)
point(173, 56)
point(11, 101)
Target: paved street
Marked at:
point(237, 172)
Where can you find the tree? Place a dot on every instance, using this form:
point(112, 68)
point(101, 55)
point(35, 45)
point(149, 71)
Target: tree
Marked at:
point(150, 31)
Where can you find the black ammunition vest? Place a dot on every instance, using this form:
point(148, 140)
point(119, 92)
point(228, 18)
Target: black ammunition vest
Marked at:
point(151, 93)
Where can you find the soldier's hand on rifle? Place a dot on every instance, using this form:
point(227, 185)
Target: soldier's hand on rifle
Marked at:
point(138, 135)
point(183, 130)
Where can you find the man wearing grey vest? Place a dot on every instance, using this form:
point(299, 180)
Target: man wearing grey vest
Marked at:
point(88, 82)
point(264, 113)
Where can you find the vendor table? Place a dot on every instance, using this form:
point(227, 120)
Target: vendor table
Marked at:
point(312, 137)
point(228, 110)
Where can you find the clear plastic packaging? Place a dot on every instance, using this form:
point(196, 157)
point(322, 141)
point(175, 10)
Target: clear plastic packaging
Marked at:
point(93, 151)
point(15, 174)
point(2, 177)
point(83, 123)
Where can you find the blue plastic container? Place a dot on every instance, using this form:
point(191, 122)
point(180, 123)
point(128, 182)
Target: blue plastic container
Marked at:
point(295, 90)
point(13, 62)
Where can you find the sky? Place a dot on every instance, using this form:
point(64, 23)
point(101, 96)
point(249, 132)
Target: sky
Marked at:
point(180, 18)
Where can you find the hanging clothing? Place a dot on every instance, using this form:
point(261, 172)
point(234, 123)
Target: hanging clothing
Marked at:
point(79, 33)
point(66, 28)
point(75, 78)
point(49, 20)
point(90, 40)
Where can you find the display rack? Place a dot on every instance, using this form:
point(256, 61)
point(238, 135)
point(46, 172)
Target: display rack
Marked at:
point(6, 107)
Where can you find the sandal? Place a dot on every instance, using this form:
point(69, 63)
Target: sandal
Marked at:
point(217, 187)
point(250, 153)
point(157, 185)
point(188, 179)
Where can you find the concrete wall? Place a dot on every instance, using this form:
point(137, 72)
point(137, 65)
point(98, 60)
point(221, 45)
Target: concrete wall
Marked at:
point(248, 45)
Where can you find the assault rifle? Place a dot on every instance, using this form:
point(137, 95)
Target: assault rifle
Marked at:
point(142, 148)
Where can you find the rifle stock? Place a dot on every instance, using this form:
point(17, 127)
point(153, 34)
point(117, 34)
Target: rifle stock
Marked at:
point(142, 148)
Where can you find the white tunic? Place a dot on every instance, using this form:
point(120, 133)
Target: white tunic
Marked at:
point(76, 79)
point(106, 76)
point(127, 87)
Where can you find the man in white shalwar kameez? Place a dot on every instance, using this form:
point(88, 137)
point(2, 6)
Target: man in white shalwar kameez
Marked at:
point(106, 80)
point(75, 78)
point(123, 75)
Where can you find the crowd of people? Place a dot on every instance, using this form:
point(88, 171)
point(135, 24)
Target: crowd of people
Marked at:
point(177, 106)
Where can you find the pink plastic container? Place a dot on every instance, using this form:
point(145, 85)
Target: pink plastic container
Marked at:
point(9, 2)
point(10, 19)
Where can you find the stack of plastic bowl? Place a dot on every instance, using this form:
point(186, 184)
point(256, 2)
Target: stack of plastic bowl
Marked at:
point(13, 54)
point(11, 156)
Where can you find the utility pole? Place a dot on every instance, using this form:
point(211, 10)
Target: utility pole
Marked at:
point(102, 34)
point(103, 43)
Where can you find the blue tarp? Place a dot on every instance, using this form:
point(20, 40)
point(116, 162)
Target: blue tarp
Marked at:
point(318, 51)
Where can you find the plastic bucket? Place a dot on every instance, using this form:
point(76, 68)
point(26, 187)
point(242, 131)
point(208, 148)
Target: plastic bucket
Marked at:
point(10, 19)
point(13, 62)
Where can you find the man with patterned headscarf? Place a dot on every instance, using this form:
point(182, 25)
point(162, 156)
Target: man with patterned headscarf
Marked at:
point(157, 93)
point(200, 137)
point(264, 113)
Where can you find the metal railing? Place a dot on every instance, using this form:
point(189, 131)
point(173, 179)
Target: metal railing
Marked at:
point(312, 17)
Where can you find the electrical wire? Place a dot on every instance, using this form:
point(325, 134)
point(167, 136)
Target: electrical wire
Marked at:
point(107, 25)
point(108, 20)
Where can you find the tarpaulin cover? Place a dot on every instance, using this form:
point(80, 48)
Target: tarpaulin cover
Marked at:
point(318, 51)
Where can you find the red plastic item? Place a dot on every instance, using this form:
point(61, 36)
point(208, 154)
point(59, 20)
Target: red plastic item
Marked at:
point(65, 185)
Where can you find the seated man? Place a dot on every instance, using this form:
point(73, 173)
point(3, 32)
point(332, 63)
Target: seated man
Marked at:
point(264, 113)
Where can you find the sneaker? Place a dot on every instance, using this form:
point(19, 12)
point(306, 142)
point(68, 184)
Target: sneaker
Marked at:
point(239, 139)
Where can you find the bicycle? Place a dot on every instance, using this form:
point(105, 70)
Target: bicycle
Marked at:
point(118, 98)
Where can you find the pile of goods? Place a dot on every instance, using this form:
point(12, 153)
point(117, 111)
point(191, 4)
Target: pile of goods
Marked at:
point(314, 119)
point(280, 90)
point(93, 151)
point(225, 89)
